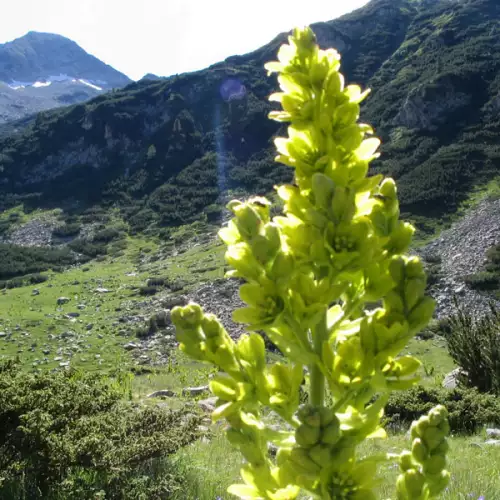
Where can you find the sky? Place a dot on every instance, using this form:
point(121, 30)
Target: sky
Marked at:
point(166, 37)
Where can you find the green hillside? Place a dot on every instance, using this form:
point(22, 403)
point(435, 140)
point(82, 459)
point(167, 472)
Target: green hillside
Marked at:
point(164, 151)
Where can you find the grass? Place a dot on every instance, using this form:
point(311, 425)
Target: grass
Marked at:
point(436, 362)
point(35, 323)
point(209, 467)
point(42, 335)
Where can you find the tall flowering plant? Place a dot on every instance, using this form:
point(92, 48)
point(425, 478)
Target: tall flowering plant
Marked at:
point(330, 286)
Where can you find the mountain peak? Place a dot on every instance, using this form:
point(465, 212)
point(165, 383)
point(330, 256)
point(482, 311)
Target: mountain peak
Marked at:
point(39, 56)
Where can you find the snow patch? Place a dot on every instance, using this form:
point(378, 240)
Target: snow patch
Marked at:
point(41, 84)
point(62, 77)
point(91, 85)
point(16, 84)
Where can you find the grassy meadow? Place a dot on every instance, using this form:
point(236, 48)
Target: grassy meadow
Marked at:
point(87, 333)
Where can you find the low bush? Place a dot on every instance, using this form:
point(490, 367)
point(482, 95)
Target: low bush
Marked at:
point(483, 280)
point(67, 230)
point(17, 260)
point(488, 279)
point(469, 410)
point(106, 235)
point(88, 248)
point(72, 435)
point(475, 346)
point(156, 282)
point(30, 279)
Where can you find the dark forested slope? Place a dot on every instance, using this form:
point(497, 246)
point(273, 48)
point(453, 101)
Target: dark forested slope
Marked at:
point(164, 150)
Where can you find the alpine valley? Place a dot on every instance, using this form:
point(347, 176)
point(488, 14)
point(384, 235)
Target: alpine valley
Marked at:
point(112, 192)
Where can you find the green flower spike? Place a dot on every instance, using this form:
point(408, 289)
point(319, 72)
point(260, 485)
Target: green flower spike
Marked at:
point(312, 277)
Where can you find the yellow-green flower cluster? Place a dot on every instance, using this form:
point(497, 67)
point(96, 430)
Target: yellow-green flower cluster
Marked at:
point(330, 286)
point(423, 469)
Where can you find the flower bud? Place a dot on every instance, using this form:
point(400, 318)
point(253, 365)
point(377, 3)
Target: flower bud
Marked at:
point(224, 388)
point(327, 416)
point(432, 438)
point(331, 434)
point(309, 415)
point(300, 458)
point(304, 38)
point(406, 461)
point(307, 436)
point(414, 483)
point(437, 415)
point(442, 449)
point(321, 454)
point(435, 464)
point(437, 483)
point(421, 313)
point(187, 317)
point(323, 188)
point(419, 451)
point(251, 348)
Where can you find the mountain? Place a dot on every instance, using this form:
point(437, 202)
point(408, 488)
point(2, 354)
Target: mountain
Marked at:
point(42, 70)
point(164, 151)
point(151, 76)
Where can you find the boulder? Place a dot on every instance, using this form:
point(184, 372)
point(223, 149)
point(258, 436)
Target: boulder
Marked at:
point(455, 378)
point(62, 300)
point(194, 391)
point(130, 346)
point(208, 404)
point(163, 318)
point(493, 442)
point(165, 393)
point(171, 302)
point(493, 433)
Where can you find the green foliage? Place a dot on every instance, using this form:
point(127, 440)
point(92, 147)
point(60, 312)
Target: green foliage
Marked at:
point(71, 435)
point(29, 279)
point(474, 345)
point(18, 260)
point(468, 409)
point(67, 230)
point(148, 290)
point(107, 235)
point(489, 278)
point(88, 248)
point(310, 277)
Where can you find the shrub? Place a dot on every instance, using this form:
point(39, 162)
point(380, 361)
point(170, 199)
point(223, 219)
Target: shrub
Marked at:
point(468, 409)
point(67, 230)
point(71, 435)
point(475, 346)
point(106, 235)
point(156, 282)
point(489, 278)
point(17, 261)
point(483, 280)
point(88, 248)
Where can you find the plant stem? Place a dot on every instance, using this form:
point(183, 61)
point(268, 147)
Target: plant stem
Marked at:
point(317, 379)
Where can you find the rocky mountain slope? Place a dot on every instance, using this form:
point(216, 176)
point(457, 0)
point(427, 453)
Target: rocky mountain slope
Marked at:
point(461, 251)
point(40, 71)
